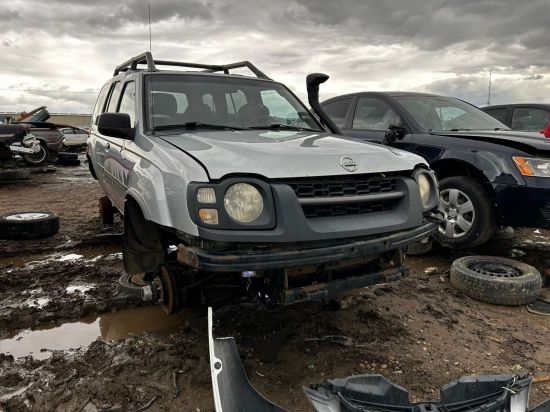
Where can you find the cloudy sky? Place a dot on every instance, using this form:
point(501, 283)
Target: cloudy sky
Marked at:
point(59, 53)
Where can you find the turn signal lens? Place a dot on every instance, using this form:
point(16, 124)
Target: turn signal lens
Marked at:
point(206, 195)
point(523, 166)
point(533, 166)
point(209, 216)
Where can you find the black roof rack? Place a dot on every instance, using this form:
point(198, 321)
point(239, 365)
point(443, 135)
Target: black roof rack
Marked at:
point(147, 58)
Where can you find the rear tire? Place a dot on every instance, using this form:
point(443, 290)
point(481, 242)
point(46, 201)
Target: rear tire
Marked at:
point(469, 213)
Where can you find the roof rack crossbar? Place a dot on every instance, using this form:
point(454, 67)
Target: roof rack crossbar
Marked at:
point(147, 58)
point(144, 58)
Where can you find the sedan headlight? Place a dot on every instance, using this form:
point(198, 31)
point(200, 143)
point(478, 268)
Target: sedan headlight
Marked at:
point(243, 202)
point(529, 166)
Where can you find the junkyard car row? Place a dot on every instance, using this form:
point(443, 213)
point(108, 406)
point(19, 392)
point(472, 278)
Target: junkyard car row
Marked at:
point(230, 189)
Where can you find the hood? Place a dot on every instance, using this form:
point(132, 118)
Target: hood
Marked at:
point(281, 154)
point(528, 141)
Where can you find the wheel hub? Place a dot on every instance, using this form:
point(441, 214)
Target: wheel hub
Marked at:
point(495, 269)
point(458, 213)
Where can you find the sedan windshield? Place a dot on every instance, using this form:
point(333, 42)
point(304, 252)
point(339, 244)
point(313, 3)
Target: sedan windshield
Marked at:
point(216, 102)
point(447, 114)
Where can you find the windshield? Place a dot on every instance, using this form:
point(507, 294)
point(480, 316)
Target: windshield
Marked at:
point(447, 114)
point(196, 101)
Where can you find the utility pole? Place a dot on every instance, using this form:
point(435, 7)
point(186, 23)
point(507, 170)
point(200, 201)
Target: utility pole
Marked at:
point(489, 92)
point(150, 51)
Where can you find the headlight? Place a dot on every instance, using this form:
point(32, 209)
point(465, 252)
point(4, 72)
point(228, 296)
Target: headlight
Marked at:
point(425, 188)
point(243, 202)
point(532, 166)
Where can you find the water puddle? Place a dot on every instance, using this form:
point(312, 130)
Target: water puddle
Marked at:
point(109, 252)
point(79, 287)
point(109, 326)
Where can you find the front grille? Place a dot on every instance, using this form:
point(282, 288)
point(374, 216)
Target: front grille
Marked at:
point(311, 211)
point(546, 210)
point(332, 186)
point(335, 187)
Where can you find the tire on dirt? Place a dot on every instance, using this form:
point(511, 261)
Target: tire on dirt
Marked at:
point(67, 155)
point(14, 175)
point(484, 225)
point(68, 162)
point(28, 225)
point(496, 280)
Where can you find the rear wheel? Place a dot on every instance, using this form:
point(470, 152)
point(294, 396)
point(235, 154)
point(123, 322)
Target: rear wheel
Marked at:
point(469, 218)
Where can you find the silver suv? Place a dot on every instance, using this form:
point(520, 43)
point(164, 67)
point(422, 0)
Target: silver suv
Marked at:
point(228, 183)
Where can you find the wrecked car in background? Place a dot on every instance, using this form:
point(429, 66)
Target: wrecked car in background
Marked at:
point(15, 139)
point(256, 195)
point(489, 176)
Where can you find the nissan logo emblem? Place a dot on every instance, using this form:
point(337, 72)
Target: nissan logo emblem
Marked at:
point(348, 164)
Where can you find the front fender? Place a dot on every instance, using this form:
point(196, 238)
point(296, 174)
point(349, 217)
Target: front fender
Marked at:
point(497, 168)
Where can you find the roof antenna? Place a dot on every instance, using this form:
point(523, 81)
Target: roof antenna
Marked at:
point(489, 91)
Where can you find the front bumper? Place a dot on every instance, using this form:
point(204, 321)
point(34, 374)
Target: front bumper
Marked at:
point(300, 254)
point(527, 205)
point(232, 390)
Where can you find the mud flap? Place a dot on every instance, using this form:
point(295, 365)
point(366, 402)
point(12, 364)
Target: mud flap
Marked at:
point(365, 393)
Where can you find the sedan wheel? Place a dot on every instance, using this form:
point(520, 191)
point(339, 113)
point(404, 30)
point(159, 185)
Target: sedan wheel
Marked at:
point(468, 213)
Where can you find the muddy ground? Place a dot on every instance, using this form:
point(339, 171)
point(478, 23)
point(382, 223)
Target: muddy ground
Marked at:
point(69, 340)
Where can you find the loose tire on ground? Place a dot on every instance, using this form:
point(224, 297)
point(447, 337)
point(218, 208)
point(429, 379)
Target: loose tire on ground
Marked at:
point(67, 155)
point(13, 175)
point(28, 225)
point(483, 222)
point(68, 162)
point(497, 280)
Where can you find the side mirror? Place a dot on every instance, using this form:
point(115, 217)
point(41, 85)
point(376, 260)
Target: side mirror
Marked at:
point(546, 130)
point(116, 125)
point(394, 132)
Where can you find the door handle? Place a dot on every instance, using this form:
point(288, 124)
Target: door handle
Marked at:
point(107, 145)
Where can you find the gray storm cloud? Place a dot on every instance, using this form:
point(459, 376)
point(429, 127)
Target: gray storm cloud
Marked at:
point(439, 46)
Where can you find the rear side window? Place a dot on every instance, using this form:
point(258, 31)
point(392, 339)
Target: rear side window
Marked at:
point(373, 114)
point(337, 110)
point(499, 114)
point(100, 103)
point(113, 99)
point(128, 101)
point(530, 118)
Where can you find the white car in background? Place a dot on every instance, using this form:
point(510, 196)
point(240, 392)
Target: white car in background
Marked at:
point(74, 136)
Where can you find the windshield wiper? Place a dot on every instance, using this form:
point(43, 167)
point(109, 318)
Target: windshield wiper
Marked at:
point(282, 126)
point(196, 125)
point(459, 130)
